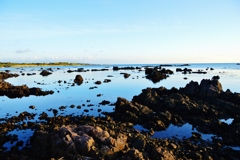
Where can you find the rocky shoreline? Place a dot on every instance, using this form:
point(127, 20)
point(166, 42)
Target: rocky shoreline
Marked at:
point(114, 136)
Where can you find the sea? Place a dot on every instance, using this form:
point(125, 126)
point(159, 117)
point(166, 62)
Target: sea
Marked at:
point(89, 95)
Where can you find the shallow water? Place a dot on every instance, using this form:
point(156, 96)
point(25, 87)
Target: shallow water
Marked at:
point(66, 95)
point(184, 131)
point(22, 135)
point(118, 87)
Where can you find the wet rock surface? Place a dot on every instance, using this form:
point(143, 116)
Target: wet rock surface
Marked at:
point(7, 89)
point(156, 74)
point(45, 73)
point(5, 75)
point(78, 79)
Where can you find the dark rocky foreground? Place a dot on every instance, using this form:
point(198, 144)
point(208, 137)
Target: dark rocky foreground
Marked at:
point(113, 136)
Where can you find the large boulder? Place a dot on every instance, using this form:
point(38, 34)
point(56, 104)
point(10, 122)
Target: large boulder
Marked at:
point(78, 79)
point(80, 140)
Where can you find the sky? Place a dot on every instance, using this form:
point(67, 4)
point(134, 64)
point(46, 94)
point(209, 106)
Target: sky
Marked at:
point(120, 31)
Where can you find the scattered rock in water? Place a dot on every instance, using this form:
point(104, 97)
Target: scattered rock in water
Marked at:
point(45, 73)
point(86, 110)
point(78, 79)
point(72, 106)
point(98, 82)
point(156, 75)
point(62, 108)
point(200, 72)
point(99, 95)
point(126, 75)
point(32, 107)
point(184, 71)
point(104, 102)
point(107, 80)
point(93, 87)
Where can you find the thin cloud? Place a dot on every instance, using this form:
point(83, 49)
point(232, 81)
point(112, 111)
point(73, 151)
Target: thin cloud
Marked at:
point(23, 51)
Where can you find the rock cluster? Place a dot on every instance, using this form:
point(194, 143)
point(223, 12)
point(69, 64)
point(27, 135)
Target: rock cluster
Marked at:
point(114, 137)
point(5, 75)
point(7, 89)
point(200, 105)
point(155, 74)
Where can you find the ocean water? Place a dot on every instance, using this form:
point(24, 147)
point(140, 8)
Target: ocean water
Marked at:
point(66, 95)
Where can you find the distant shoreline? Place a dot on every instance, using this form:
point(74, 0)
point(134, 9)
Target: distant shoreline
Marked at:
point(10, 64)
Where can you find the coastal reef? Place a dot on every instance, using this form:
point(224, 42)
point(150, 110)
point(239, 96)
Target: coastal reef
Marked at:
point(5, 75)
point(11, 91)
point(113, 136)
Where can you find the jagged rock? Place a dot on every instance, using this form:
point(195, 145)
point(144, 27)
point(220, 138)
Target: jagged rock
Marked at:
point(210, 88)
point(207, 88)
point(192, 88)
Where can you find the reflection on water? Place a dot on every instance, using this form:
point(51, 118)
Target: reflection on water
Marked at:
point(23, 135)
point(184, 131)
point(228, 121)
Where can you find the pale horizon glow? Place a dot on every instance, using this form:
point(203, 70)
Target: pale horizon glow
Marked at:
point(120, 32)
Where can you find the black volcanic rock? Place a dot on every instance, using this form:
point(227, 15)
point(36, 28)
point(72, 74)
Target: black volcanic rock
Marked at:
point(7, 89)
point(207, 88)
point(155, 75)
point(5, 75)
point(78, 79)
point(45, 73)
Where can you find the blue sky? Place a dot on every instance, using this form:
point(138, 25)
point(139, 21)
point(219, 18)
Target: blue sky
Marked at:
point(120, 31)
